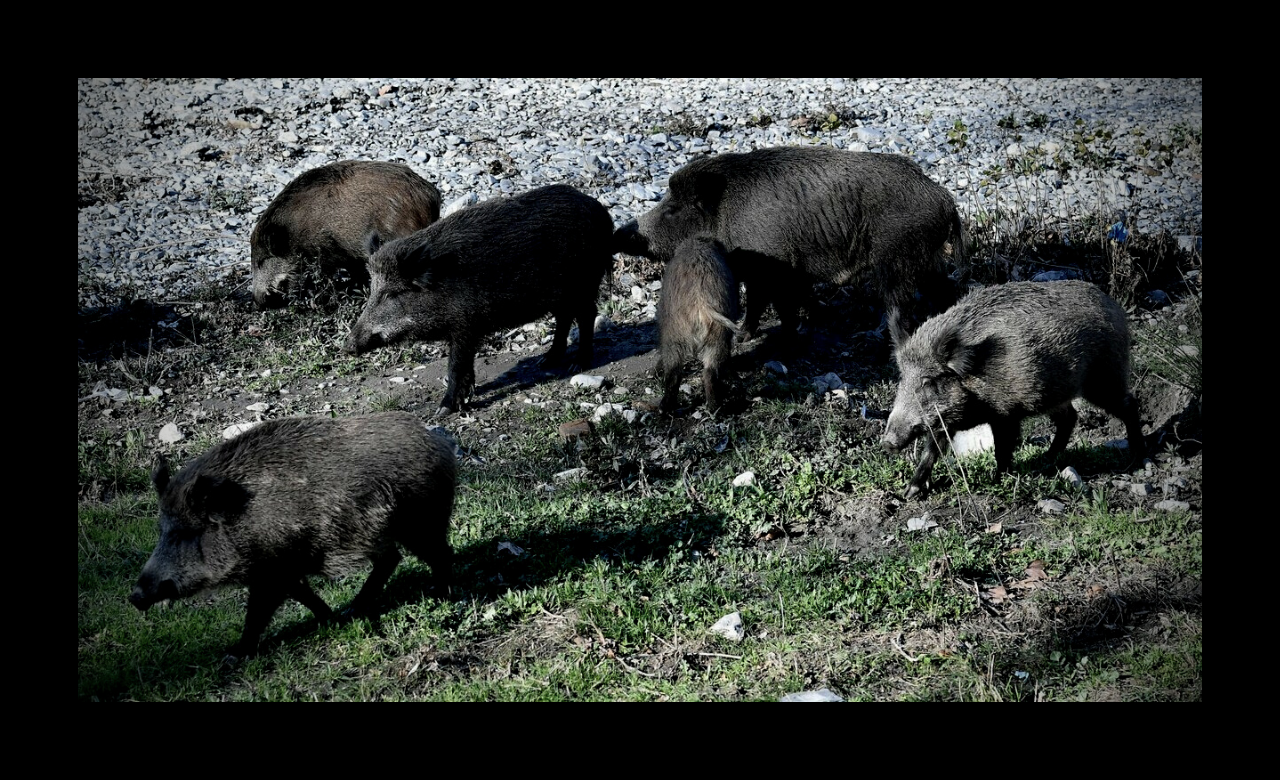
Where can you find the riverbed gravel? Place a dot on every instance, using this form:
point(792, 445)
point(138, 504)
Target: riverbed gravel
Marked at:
point(172, 173)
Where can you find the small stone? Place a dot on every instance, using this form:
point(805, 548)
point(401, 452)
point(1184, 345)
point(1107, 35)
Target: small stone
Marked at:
point(604, 410)
point(571, 474)
point(1072, 477)
point(170, 433)
point(776, 367)
point(1050, 506)
point(587, 381)
point(1171, 505)
point(921, 523)
point(574, 429)
point(729, 626)
point(398, 380)
point(744, 479)
point(973, 440)
point(1141, 489)
point(232, 431)
point(822, 694)
point(260, 406)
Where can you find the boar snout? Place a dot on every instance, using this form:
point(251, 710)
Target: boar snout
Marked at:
point(148, 592)
point(361, 341)
point(627, 239)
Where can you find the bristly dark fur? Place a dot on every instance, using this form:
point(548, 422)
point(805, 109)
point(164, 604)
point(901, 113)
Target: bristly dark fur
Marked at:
point(298, 497)
point(497, 264)
point(1007, 352)
point(331, 217)
point(696, 318)
point(789, 215)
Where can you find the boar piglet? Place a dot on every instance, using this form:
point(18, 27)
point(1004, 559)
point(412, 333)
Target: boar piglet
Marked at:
point(333, 217)
point(297, 497)
point(498, 264)
point(789, 215)
point(1004, 353)
point(696, 318)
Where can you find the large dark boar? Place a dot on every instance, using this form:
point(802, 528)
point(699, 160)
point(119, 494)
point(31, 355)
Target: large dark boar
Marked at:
point(333, 217)
point(296, 497)
point(497, 264)
point(696, 317)
point(789, 215)
point(1004, 353)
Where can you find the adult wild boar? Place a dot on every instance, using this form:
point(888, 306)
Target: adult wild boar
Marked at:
point(789, 215)
point(334, 217)
point(696, 317)
point(497, 264)
point(301, 496)
point(1004, 353)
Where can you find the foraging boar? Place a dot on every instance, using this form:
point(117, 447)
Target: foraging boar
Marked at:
point(497, 264)
point(1004, 353)
point(300, 496)
point(792, 214)
point(696, 317)
point(334, 217)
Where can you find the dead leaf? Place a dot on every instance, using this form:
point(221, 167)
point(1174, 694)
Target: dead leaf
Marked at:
point(1096, 591)
point(995, 528)
point(1035, 573)
point(997, 594)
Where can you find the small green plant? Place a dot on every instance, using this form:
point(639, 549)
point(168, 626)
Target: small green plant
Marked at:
point(1037, 121)
point(958, 135)
point(229, 200)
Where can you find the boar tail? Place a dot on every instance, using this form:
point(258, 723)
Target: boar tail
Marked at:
point(725, 321)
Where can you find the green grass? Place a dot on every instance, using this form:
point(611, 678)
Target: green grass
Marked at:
point(621, 575)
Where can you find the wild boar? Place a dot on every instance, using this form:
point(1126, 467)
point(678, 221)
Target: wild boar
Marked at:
point(498, 264)
point(1004, 353)
point(696, 318)
point(333, 217)
point(789, 215)
point(297, 497)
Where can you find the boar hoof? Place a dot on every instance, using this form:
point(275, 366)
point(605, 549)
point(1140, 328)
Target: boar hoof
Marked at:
point(914, 491)
point(444, 411)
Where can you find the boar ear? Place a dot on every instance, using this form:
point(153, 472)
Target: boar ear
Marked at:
point(435, 268)
point(413, 260)
point(898, 331)
point(708, 189)
point(218, 497)
point(372, 243)
point(964, 359)
point(160, 474)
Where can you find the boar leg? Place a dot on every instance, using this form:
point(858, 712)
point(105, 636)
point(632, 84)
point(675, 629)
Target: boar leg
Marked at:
point(1128, 415)
point(264, 599)
point(554, 357)
point(715, 361)
point(711, 386)
point(1121, 404)
point(1005, 433)
point(384, 563)
point(670, 370)
point(586, 338)
point(301, 592)
point(462, 373)
point(429, 543)
point(920, 481)
point(1064, 422)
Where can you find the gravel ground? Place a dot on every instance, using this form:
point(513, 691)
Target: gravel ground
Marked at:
point(172, 173)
